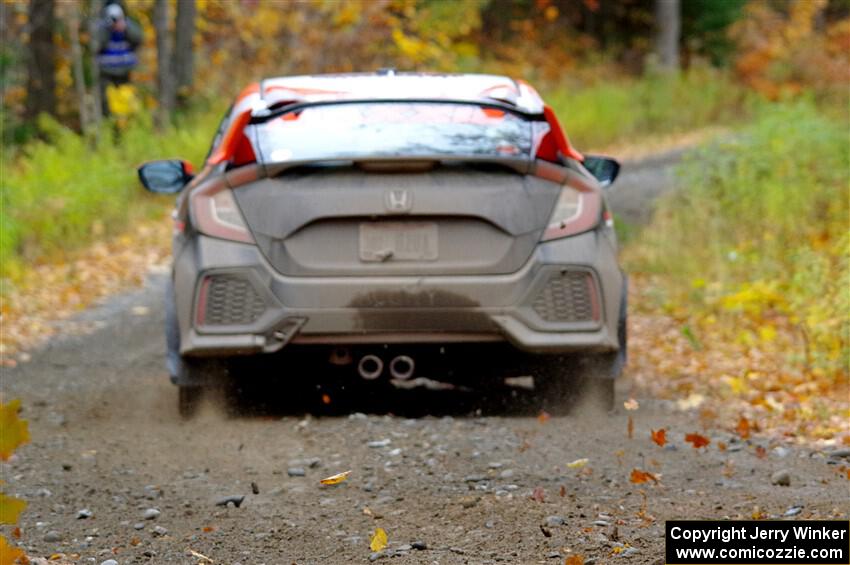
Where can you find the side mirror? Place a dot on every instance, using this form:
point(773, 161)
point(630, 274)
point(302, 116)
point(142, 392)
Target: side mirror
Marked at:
point(604, 169)
point(165, 177)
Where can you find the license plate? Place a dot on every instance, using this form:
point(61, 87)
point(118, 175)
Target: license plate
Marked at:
point(398, 241)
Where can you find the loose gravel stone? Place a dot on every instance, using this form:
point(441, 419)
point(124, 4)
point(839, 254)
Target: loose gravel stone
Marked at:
point(793, 511)
point(296, 472)
point(553, 521)
point(236, 500)
point(84, 514)
point(139, 526)
point(379, 443)
point(109, 562)
point(781, 478)
point(151, 514)
point(420, 545)
point(52, 536)
point(159, 531)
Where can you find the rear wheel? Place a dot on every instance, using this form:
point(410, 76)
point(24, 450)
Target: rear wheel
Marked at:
point(196, 378)
point(567, 381)
point(188, 400)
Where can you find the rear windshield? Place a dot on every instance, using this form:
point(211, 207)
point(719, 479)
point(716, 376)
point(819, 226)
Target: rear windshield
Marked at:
point(390, 129)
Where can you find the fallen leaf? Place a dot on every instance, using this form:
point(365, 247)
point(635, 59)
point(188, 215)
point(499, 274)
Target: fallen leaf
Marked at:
point(578, 463)
point(543, 417)
point(630, 429)
point(8, 552)
point(721, 446)
point(563, 491)
point(326, 399)
point(208, 529)
point(10, 508)
point(694, 400)
point(743, 427)
point(761, 452)
point(200, 556)
point(631, 404)
point(16, 533)
point(639, 477)
point(379, 540)
point(574, 560)
point(659, 436)
point(13, 430)
point(697, 440)
point(538, 494)
point(335, 479)
point(135, 541)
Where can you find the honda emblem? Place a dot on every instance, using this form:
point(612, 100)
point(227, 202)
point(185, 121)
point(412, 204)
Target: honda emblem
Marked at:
point(398, 201)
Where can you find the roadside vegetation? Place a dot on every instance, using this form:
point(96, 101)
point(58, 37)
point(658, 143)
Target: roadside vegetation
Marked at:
point(750, 257)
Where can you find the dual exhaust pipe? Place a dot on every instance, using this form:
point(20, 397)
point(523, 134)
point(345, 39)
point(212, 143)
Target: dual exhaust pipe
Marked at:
point(401, 367)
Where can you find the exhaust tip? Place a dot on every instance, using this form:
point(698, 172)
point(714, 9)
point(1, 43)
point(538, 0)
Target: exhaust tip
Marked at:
point(370, 367)
point(402, 367)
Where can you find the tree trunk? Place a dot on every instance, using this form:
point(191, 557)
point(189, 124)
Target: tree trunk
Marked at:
point(41, 82)
point(164, 70)
point(97, 103)
point(77, 60)
point(668, 24)
point(183, 56)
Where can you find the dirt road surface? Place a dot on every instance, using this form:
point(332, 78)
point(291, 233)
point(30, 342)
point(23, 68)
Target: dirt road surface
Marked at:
point(113, 473)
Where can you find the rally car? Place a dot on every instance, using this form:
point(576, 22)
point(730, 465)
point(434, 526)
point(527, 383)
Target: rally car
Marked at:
point(382, 218)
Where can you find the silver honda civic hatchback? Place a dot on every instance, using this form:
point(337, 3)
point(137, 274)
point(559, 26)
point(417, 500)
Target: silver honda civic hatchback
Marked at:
point(383, 219)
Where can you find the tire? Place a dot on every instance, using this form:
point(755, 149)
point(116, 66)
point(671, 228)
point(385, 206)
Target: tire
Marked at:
point(568, 381)
point(196, 379)
point(188, 400)
point(193, 376)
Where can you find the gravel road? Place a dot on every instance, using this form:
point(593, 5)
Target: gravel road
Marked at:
point(113, 473)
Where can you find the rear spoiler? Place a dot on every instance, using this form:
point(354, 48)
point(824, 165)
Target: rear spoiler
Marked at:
point(235, 147)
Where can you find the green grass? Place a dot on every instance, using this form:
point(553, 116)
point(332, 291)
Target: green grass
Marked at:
point(627, 110)
point(759, 229)
point(63, 193)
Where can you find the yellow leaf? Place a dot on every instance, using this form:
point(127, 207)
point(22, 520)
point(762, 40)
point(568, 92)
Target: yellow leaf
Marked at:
point(9, 554)
point(335, 479)
point(13, 430)
point(379, 540)
point(578, 463)
point(10, 507)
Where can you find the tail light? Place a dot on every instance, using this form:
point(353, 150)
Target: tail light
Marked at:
point(216, 214)
point(575, 211)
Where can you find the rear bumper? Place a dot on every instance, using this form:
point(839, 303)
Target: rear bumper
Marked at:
point(564, 299)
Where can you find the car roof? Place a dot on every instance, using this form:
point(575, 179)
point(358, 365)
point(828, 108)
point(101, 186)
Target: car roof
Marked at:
point(388, 84)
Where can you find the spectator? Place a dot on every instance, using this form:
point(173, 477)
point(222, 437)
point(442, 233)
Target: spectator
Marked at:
point(117, 37)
